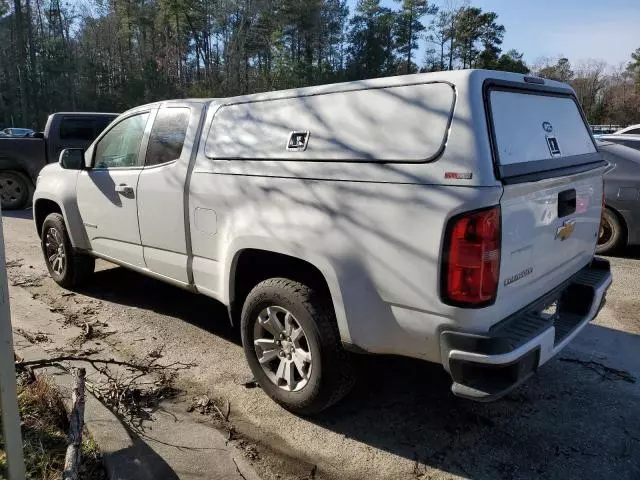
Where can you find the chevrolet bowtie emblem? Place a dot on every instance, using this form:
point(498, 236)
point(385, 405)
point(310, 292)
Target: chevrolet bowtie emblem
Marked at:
point(566, 230)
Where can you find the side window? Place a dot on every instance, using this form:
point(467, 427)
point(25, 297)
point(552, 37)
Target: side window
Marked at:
point(167, 136)
point(77, 129)
point(635, 131)
point(120, 146)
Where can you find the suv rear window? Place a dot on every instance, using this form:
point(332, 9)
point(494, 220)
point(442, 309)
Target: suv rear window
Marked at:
point(535, 126)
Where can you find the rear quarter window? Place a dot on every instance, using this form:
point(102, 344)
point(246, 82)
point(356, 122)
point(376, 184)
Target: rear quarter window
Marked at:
point(167, 135)
point(532, 126)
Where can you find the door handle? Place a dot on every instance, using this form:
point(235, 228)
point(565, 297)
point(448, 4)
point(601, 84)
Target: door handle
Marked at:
point(125, 190)
point(566, 203)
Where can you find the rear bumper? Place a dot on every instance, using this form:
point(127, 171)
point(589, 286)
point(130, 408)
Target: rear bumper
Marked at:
point(486, 366)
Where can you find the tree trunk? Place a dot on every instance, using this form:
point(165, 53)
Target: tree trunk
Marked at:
point(19, 58)
point(410, 45)
point(33, 79)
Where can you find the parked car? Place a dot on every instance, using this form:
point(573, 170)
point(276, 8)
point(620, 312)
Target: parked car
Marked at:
point(604, 129)
point(403, 215)
point(630, 130)
point(621, 217)
point(21, 159)
point(631, 141)
point(16, 132)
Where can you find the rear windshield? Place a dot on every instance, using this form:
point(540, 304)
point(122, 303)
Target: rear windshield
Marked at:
point(533, 126)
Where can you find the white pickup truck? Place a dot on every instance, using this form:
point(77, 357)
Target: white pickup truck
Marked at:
point(450, 217)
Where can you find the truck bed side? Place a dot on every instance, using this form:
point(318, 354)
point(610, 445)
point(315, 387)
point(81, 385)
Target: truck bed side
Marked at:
point(23, 154)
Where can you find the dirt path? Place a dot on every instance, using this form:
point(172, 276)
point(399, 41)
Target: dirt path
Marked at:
point(575, 419)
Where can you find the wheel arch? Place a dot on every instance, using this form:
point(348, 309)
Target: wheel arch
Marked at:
point(623, 222)
point(250, 264)
point(44, 205)
point(42, 208)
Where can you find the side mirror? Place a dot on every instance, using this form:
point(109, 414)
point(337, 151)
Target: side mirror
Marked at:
point(72, 158)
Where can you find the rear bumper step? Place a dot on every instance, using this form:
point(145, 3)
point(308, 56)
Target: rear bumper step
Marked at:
point(485, 367)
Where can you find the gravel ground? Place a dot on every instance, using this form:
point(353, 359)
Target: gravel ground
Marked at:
point(578, 418)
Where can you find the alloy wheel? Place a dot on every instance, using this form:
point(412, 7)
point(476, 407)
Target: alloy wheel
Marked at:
point(282, 348)
point(55, 253)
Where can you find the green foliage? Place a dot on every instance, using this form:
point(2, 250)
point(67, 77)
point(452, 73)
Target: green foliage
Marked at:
point(371, 43)
point(116, 54)
point(560, 71)
point(408, 28)
point(478, 37)
point(511, 61)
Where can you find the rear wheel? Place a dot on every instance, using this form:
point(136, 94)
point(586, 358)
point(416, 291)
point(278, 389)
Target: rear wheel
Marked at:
point(15, 190)
point(67, 267)
point(293, 348)
point(611, 235)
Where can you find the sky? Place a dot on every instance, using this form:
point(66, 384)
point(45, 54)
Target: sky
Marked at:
point(577, 29)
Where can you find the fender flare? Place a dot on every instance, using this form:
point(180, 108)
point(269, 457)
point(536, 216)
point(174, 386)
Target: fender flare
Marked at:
point(322, 264)
point(72, 218)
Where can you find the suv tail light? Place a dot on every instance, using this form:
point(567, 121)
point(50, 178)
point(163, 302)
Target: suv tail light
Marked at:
point(471, 266)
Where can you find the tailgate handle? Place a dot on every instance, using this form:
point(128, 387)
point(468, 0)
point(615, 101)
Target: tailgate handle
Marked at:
point(566, 203)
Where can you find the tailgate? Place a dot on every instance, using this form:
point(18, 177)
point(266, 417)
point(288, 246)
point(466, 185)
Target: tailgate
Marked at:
point(552, 200)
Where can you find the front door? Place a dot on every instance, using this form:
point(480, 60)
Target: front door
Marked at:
point(107, 192)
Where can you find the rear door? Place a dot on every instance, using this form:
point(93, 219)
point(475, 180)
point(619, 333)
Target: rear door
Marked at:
point(552, 176)
point(161, 202)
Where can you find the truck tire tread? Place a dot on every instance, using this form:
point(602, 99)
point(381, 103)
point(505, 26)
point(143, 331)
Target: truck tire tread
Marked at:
point(337, 375)
point(79, 266)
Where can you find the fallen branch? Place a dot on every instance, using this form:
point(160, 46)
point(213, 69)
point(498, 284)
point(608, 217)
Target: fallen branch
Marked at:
point(602, 369)
point(111, 361)
point(238, 468)
point(122, 392)
point(73, 458)
point(222, 415)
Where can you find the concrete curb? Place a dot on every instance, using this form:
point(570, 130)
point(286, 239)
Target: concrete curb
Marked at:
point(202, 453)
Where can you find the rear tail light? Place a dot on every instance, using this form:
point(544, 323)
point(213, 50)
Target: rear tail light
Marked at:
point(471, 266)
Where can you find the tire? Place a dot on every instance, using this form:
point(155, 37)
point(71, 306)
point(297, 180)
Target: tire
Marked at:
point(16, 190)
point(67, 267)
point(329, 373)
point(611, 235)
